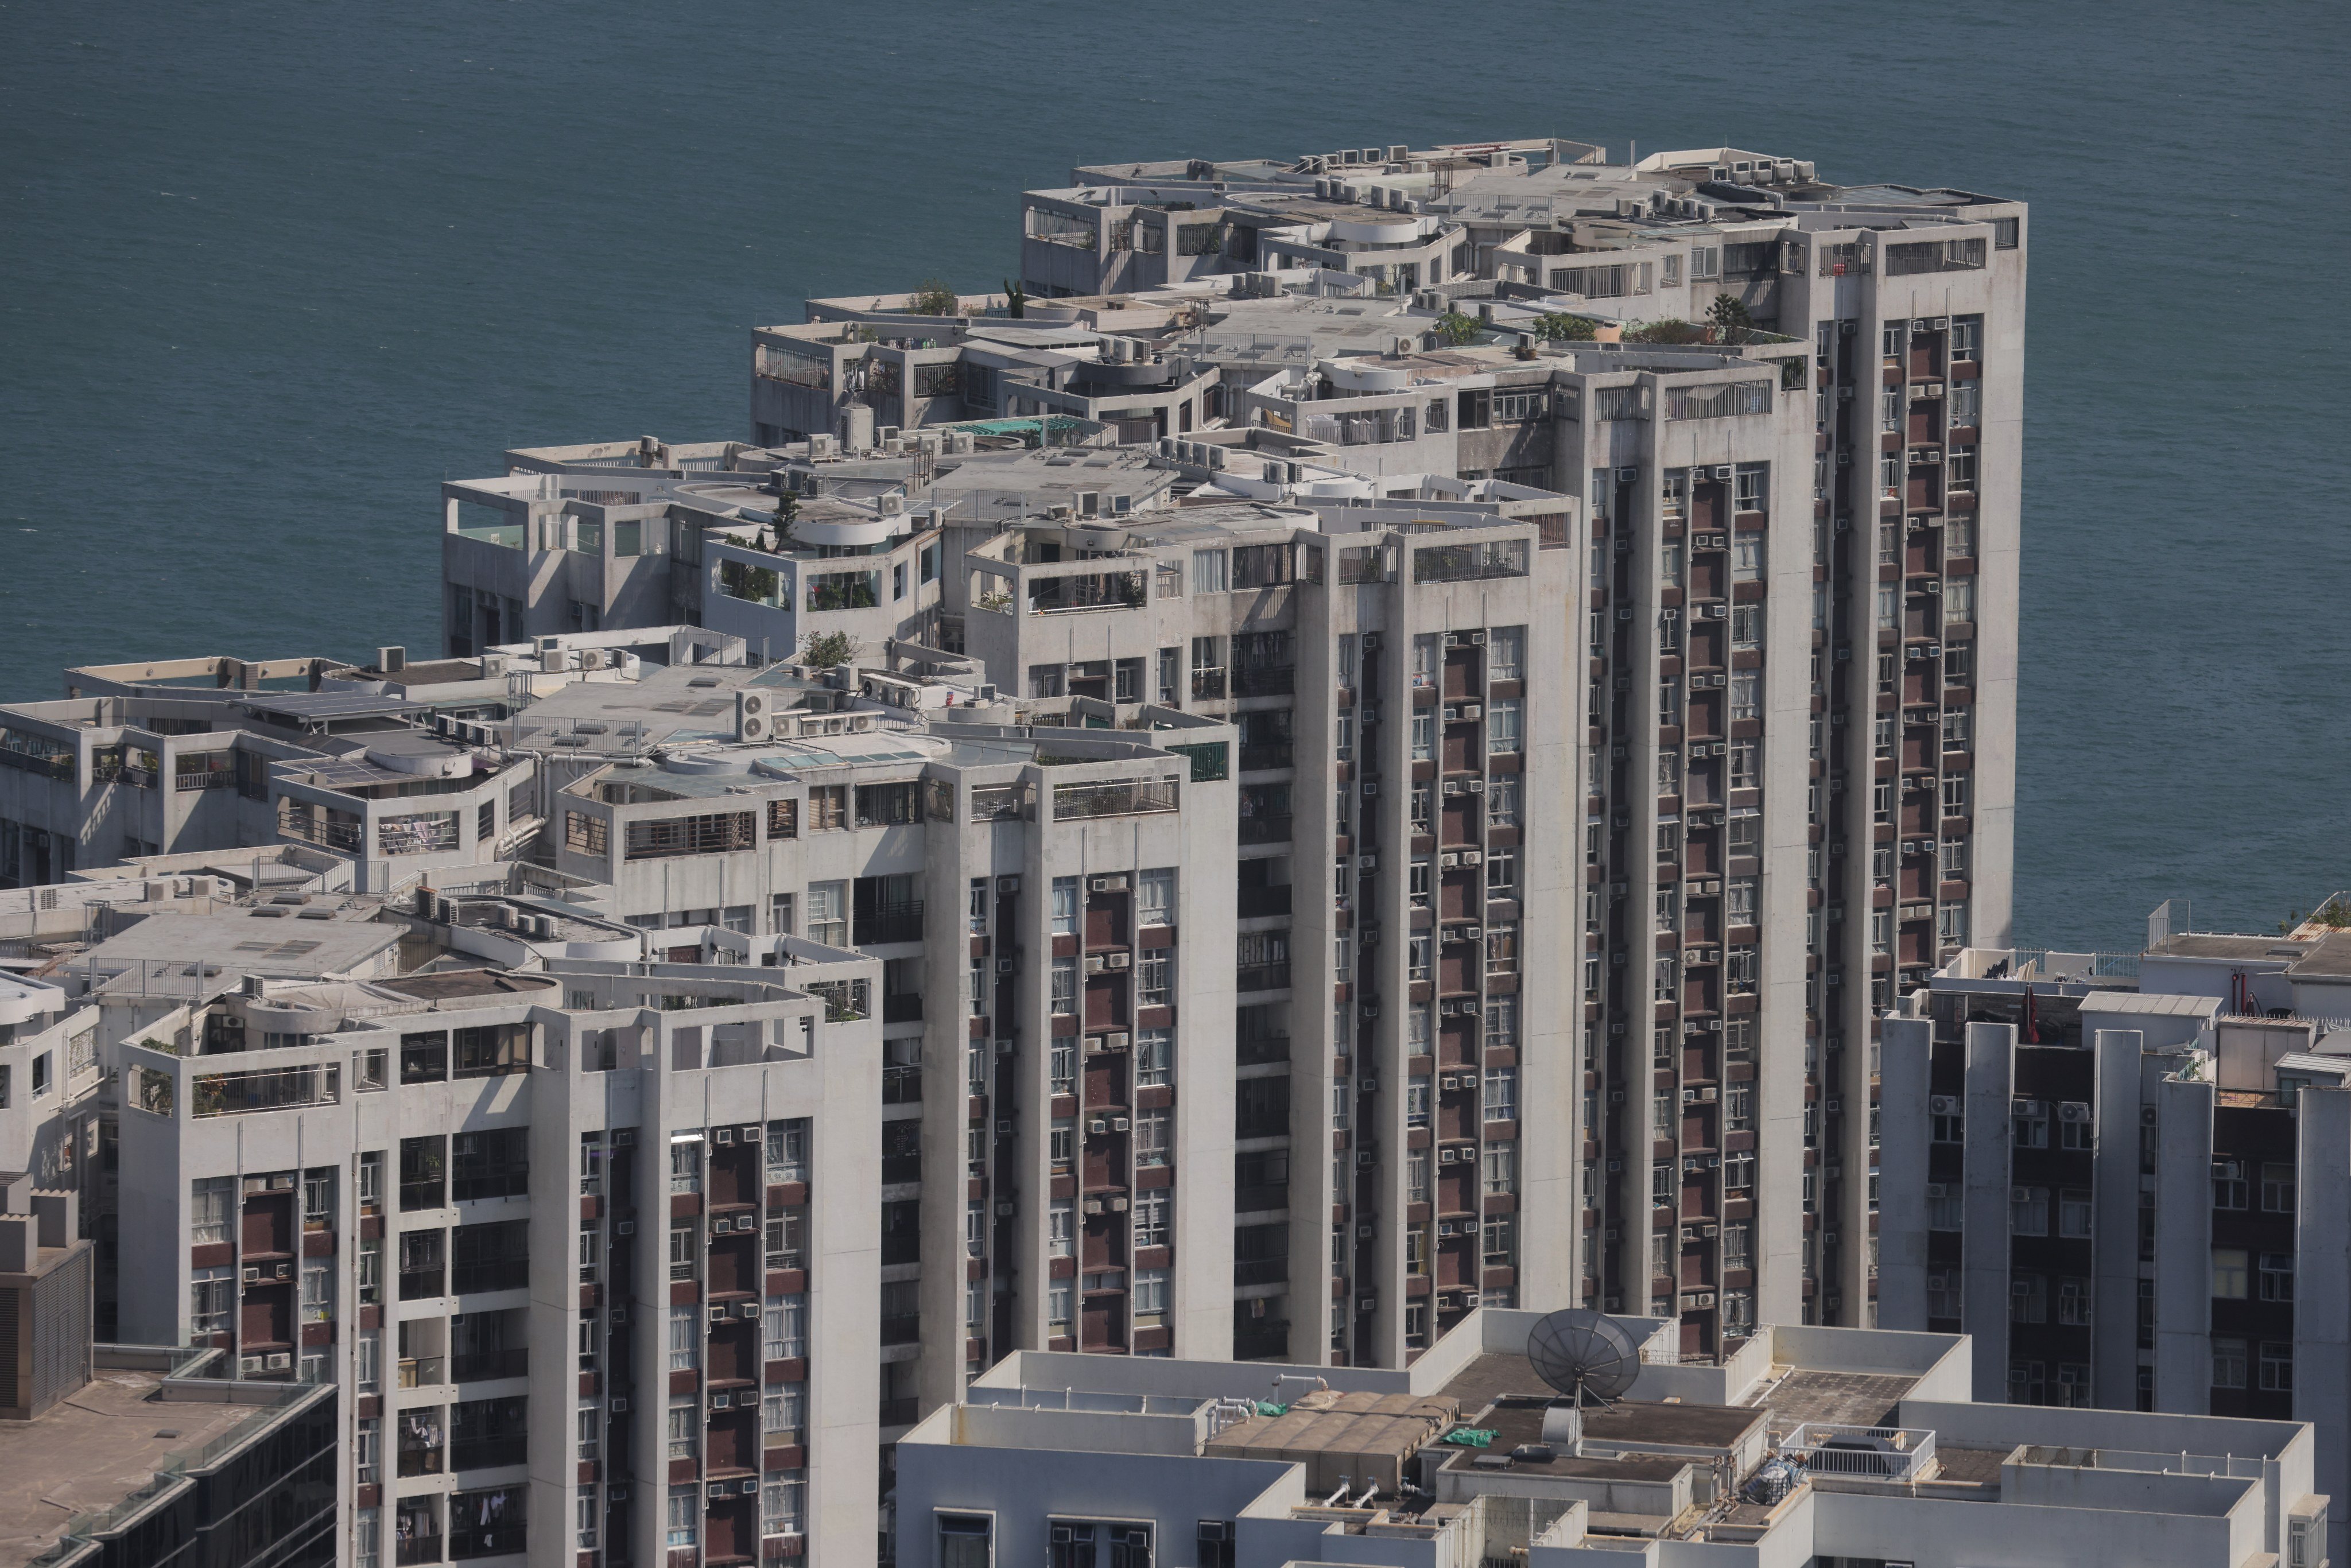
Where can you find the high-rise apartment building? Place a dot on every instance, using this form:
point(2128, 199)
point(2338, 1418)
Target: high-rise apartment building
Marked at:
point(1390, 766)
point(2127, 1176)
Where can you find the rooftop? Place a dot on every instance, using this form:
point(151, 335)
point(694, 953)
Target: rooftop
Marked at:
point(92, 1451)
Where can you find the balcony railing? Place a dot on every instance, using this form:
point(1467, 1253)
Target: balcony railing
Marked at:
point(1265, 681)
point(897, 1169)
point(1260, 758)
point(412, 1550)
point(901, 1085)
point(1208, 683)
point(1265, 829)
point(488, 1453)
point(492, 1274)
point(1254, 1049)
point(1889, 1453)
point(416, 1195)
point(420, 1372)
point(1262, 977)
point(417, 1284)
point(1259, 903)
point(902, 1007)
point(1260, 1271)
point(903, 1330)
point(484, 1364)
point(891, 923)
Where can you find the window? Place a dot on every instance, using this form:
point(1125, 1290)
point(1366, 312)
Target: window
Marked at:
point(2229, 1270)
point(2277, 1276)
point(1155, 1057)
point(2028, 1211)
point(1746, 694)
point(1151, 1219)
point(684, 1338)
point(1502, 802)
point(828, 912)
point(1746, 830)
point(685, 1517)
point(1065, 985)
point(1154, 971)
point(1417, 1100)
point(1211, 571)
point(2227, 1184)
point(1065, 907)
point(1150, 1137)
point(1155, 897)
point(783, 1324)
point(1740, 969)
point(2029, 1123)
point(2277, 1189)
point(212, 1297)
point(1746, 626)
point(1500, 1172)
point(1666, 979)
point(1505, 720)
point(1747, 557)
point(1669, 564)
point(1945, 1205)
point(1501, 1094)
point(2028, 1298)
point(208, 1210)
point(2277, 1366)
point(1424, 735)
point(1955, 860)
point(2228, 1362)
point(1739, 1108)
point(1506, 654)
point(1502, 1021)
point(1744, 756)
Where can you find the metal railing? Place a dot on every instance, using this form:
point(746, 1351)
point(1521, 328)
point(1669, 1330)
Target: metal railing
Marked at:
point(1881, 1453)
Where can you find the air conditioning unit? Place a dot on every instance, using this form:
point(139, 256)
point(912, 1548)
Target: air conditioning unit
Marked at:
point(722, 1134)
point(1627, 475)
point(1943, 1104)
point(1931, 390)
point(1371, 641)
point(1098, 1125)
point(280, 1360)
point(1362, 1305)
point(1004, 965)
point(1116, 1040)
point(1007, 885)
point(1922, 324)
point(722, 1401)
point(1475, 786)
point(2019, 1195)
point(1108, 883)
point(1477, 638)
point(625, 1227)
point(624, 1137)
point(748, 1488)
point(1370, 787)
point(718, 1315)
point(1367, 862)
point(1445, 1227)
point(1717, 612)
point(1447, 1157)
point(1701, 1298)
point(1472, 710)
point(253, 1276)
point(620, 1314)
point(748, 1310)
point(1094, 963)
point(1722, 470)
point(619, 1405)
point(2073, 1111)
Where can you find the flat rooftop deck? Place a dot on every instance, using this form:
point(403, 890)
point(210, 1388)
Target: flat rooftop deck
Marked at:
point(90, 1451)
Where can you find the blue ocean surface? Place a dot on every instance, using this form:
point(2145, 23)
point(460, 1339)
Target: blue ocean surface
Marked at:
point(269, 273)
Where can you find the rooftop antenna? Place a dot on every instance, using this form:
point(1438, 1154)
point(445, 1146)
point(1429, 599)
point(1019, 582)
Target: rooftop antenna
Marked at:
point(1578, 1351)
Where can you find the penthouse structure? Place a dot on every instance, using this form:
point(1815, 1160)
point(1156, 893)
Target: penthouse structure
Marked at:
point(1808, 1444)
point(2127, 1175)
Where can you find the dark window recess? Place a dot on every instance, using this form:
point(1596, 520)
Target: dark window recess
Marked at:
point(1262, 1107)
point(902, 1225)
point(424, 1057)
point(484, 1433)
point(495, 1257)
point(493, 1049)
point(424, 1172)
point(902, 1150)
point(489, 1165)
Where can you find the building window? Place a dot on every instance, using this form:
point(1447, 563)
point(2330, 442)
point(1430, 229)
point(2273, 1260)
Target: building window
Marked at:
point(828, 912)
point(2228, 1362)
point(1747, 557)
point(2277, 1276)
point(2028, 1121)
point(2073, 1302)
point(208, 1210)
point(2277, 1366)
point(2277, 1189)
point(2028, 1211)
point(2228, 1269)
point(1505, 726)
point(684, 1338)
point(2073, 1213)
point(1946, 1203)
point(2227, 1184)
point(1155, 897)
point(2028, 1301)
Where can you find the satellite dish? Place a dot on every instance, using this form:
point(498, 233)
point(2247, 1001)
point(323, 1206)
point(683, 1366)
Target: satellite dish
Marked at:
point(1581, 1352)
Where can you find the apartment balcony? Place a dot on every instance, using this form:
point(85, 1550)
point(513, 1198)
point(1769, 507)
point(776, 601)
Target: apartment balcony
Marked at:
point(901, 1085)
point(1260, 903)
point(905, 1329)
point(1260, 1271)
point(1266, 759)
point(1255, 1050)
point(1269, 681)
point(891, 923)
point(415, 1549)
point(902, 1007)
point(420, 1284)
point(490, 1454)
point(483, 1365)
point(1265, 829)
point(421, 1372)
point(900, 1411)
point(1262, 977)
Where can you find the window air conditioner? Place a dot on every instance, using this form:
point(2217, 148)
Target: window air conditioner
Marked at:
point(1366, 1303)
point(1004, 965)
point(625, 1227)
point(2019, 1195)
point(1115, 960)
point(1007, 885)
point(2073, 1111)
point(1109, 883)
point(619, 1405)
point(1943, 1104)
point(1722, 470)
point(1627, 475)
